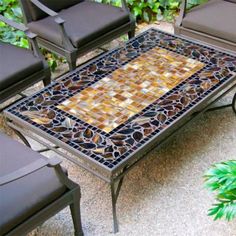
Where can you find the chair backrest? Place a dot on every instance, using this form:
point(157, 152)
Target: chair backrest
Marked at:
point(33, 13)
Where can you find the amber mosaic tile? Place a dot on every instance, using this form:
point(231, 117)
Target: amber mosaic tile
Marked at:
point(128, 90)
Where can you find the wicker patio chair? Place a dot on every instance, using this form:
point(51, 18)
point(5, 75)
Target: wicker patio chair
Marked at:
point(213, 22)
point(20, 68)
point(74, 27)
point(32, 189)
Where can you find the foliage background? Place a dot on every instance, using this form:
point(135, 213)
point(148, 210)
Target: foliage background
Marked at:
point(143, 10)
point(151, 10)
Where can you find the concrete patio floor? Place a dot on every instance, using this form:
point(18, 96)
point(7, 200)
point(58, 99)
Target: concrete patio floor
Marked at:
point(164, 194)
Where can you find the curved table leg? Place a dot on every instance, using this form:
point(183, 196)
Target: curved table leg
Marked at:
point(22, 137)
point(115, 190)
point(234, 103)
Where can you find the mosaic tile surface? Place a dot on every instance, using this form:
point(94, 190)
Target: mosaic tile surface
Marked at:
point(128, 90)
point(109, 149)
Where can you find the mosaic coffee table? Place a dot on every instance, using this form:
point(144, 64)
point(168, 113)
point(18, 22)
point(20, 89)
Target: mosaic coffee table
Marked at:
point(109, 113)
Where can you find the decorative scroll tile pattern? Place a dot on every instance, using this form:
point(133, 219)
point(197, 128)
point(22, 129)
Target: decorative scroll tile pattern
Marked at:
point(109, 149)
point(128, 90)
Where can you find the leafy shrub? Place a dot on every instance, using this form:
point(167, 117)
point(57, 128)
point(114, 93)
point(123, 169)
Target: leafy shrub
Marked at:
point(11, 10)
point(149, 10)
point(221, 178)
point(193, 3)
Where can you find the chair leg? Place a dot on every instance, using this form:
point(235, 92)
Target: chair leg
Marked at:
point(75, 213)
point(234, 103)
point(46, 81)
point(131, 33)
point(71, 59)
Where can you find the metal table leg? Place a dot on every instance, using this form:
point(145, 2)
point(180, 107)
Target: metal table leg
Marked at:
point(26, 142)
point(115, 190)
point(233, 105)
point(22, 137)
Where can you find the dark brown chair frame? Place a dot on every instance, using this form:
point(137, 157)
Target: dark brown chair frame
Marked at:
point(69, 51)
point(70, 198)
point(44, 74)
point(209, 39)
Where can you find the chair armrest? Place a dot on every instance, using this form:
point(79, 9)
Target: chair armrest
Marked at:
point(124, 5)
point(18, 26)
point(53, 161)
point(13, 24)
point(29, 169)
point(181, 13)
point(48, 11)
point(58, 20)
point(30, 35)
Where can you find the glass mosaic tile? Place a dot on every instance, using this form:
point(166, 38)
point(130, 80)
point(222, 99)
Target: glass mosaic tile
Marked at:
point(109, 109)
point(128, 90)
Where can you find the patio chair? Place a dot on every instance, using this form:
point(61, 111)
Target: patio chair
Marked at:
point(20, 68)
point(213, 22)
point(72, 28)
point(32, 189)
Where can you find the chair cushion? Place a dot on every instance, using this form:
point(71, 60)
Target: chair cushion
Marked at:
point(54, 5)
point(216, 18)
point(24, 197)
point(16, 64)
point(84, 22)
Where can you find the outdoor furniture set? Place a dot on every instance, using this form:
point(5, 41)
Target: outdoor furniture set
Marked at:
point(106, 115)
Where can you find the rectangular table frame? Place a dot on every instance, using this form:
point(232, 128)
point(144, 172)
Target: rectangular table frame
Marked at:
point(114, 177)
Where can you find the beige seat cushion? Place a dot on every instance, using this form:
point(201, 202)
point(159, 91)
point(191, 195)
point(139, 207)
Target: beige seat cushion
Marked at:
point(216, 18)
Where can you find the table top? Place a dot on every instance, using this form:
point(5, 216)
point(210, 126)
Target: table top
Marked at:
point(112, 107)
